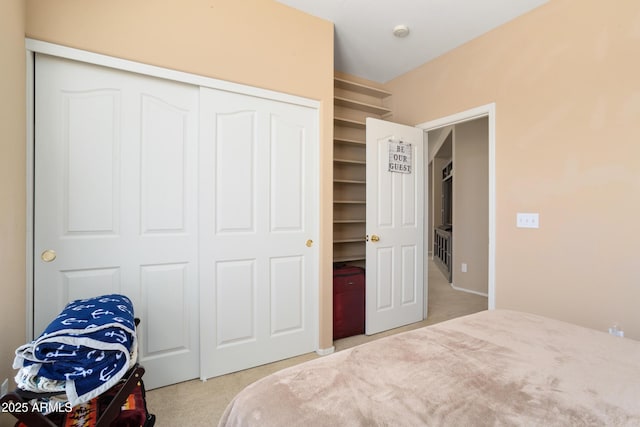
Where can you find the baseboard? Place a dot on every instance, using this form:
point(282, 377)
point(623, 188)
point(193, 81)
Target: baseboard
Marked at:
point(325, 351)
point(469, 291)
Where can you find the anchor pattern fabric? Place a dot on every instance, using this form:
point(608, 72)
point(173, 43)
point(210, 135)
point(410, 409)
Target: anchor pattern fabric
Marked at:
point(87, 347)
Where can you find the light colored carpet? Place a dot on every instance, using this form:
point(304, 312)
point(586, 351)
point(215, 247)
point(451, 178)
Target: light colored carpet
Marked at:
point(196, 403)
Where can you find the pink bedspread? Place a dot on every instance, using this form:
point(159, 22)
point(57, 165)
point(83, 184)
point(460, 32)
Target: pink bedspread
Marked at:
point(491, 368)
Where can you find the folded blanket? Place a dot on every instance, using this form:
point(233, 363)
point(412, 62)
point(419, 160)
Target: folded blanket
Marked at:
point(87, 347)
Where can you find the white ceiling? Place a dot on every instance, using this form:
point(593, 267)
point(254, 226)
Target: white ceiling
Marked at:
point(364, 43)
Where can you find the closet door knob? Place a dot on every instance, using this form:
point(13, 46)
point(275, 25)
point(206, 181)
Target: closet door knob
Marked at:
point(375, 238)
point(309, 243)
point(48, 255)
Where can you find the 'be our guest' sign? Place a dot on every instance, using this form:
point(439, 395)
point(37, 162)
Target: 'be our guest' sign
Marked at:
point(399, 157)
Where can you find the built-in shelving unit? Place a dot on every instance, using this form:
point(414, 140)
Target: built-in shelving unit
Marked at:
point(353, 103)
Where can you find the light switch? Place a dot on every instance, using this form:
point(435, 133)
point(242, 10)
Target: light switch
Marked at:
point(527, 220)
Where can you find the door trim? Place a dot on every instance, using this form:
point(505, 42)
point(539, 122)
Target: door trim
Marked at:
point(30, 158)
point(488, 111)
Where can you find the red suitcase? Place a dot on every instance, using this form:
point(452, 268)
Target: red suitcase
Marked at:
point(348, 301)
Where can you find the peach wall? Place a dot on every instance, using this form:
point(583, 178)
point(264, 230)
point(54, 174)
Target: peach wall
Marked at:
point(247, 41)
point(260, 43)
point(12, 186)
point(564, 78)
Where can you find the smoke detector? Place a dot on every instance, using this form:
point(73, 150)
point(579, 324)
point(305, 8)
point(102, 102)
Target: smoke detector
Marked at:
point(401, 31)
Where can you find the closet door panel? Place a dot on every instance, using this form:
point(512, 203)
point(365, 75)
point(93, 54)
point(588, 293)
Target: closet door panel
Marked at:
point(164, 146)
point(89, 145)
point(235, 156)
point(258, 208)
point(287, 175)
point(115, 198)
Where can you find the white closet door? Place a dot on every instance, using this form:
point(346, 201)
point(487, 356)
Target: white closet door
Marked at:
point(258, 221)
point(116, 199)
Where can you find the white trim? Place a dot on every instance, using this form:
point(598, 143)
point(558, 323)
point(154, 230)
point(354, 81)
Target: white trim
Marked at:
point(426, 221)
point(47, 48)
point(489, 111)
point(461, 117)
point(469, 291)
point(30, 104)
point(325, 351)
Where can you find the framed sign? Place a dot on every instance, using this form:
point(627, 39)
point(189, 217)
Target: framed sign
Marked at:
point(399, 157)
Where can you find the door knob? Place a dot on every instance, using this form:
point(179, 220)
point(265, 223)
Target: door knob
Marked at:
point(48, 255)
point(309, 243)
point(375, 238)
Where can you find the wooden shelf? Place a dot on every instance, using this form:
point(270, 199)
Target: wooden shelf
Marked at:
point(351, 162)
point(352, 202)
point(349, 258)
point(341, 121)
point(361, 106)
point(362, 239)
point(349, 221)
point(360, 88)
point(348, 181)
point(349, 141)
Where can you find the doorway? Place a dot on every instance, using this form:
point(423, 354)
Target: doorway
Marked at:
point(488, 112)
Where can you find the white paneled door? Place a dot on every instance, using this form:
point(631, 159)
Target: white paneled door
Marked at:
point(395, 216)
point(258, 227)
point(116, 204)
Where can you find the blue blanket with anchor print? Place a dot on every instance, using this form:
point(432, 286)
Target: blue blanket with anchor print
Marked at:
point(87, 347)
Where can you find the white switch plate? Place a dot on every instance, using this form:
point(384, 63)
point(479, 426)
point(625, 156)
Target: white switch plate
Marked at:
point(528, 220)
point(463, 268)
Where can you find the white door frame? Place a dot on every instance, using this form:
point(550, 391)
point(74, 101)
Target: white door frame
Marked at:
point(36, 46)
point(488, 111)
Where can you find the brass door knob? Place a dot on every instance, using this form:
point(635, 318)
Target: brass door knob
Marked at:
point(375, 238)
point(48, 255)
point(309, 243)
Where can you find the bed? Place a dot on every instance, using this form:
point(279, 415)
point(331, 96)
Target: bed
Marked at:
point(495, 367)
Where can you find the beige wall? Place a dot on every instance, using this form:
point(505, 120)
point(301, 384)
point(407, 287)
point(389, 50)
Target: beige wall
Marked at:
point(12, 186)
point(248, 42)
point(564, 78)
point(471, 205)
